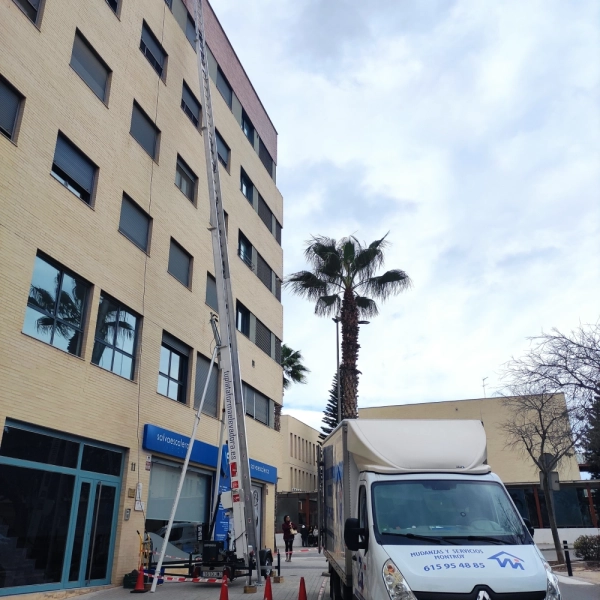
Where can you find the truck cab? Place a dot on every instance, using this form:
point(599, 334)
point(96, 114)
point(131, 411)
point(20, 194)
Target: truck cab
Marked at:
point(421, 523)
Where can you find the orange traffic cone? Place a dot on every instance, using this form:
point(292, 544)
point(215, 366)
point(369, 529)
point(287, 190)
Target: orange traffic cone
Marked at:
point(224, 588)
point(268, 591)
point(302, 592)
point(139, 584)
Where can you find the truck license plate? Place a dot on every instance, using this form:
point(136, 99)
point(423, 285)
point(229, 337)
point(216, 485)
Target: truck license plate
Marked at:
point(216, 574)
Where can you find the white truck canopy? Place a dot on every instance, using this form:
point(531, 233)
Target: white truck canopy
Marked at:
point(418, 445)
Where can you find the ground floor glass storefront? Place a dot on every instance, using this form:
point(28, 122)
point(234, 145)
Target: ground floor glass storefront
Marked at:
point(576, 504)
point(58, 504)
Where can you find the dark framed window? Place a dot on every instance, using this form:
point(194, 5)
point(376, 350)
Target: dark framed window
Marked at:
point(211, 292)
point(190, 31)
point(11, 101)
point(246, 186)
point(74, 169)
point(56, 306)
point(264, 212)
point(86, 62)
point(153, 51)
point(242, 319)
point(247, 127)
point(185, 179)
point(263, 337)
point(190, 105)
point(257, 404)
point(114, 5)
point(265, 157)
point(224, 87)
point(134, 223)
point(278, 232)
point(116, 337)
point(222, 150)
point(180, 263)
point(32, 8)
point(245, 249)
point(173, 368)
point(145, 132)
point(264, 272)
point(211, 400)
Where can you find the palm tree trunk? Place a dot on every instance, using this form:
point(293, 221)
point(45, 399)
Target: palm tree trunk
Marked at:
point(350, 346)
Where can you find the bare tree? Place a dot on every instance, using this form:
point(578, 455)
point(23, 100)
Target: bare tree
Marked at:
point(568, 363)
point(547, 393)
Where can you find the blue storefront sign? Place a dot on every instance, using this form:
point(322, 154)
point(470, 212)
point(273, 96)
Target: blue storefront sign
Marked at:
point(171, 443)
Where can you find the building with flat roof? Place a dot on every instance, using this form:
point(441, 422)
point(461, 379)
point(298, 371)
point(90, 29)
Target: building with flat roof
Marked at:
point(107, 282)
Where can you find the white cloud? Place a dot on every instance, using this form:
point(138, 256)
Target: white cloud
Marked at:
point(471, 131)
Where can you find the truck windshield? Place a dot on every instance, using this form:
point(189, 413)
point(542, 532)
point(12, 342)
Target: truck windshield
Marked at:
point(432, 511)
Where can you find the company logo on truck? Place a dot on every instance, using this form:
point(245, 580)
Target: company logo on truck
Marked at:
point(504, 558)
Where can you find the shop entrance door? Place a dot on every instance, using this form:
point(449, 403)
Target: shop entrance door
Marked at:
point(92, 537)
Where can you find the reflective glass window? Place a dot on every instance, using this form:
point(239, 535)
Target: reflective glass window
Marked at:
point(38, 447)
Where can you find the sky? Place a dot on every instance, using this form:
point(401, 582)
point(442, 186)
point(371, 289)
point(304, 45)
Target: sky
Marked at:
point(467, 131)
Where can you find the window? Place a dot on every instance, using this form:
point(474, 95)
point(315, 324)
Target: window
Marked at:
point(278, 232)
point(265, 157)
point(264, 272)
point(247, 127)
point(257, 405)
point(31, 8)
point(224, 87)
point(173, 369)
point(74, 169)
point(190, 31)
point(144, 131)
point(246, 186)
point(190, 105)
point(116, 337)
point(185, 179)
point(180, 263)
point(153, 51)
point(211, 400)
point(222, 150)
point(263, 337)
point(86, 62)
point(114, 4)
point(134, 223)
point(242, 319)
point(10, 107)
point(245, 249)
point(56, 306)
point(211, 292)
point(264, 212)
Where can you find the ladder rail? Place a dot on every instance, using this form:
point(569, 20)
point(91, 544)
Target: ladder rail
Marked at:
point(239, 462)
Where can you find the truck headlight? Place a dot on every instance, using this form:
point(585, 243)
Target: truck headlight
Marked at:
point(552, 591)
point(396, 585)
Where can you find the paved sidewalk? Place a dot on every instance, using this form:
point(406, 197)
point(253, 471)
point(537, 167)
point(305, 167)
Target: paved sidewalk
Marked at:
point(308, 564)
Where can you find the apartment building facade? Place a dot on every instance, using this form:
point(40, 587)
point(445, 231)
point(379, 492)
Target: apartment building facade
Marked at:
point(300, 456)
point(107, 282)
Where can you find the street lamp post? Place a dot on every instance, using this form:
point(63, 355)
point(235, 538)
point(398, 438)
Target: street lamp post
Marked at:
point(337, 320)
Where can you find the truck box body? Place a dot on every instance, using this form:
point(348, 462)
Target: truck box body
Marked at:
point(431, 514)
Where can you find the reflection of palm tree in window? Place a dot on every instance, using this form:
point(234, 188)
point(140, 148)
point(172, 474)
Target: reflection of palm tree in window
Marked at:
point(62, 316)
point(111, 327)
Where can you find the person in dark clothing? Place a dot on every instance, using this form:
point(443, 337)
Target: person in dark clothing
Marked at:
point(304, 536)
point(288, 537)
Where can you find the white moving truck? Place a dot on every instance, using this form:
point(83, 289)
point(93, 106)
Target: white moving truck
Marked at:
point(411, 511)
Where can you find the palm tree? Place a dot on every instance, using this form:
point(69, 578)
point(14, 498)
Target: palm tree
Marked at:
point(343, 281)
point(293, 369)
point(293, 372)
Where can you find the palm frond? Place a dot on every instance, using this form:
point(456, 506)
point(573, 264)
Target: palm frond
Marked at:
point(366, 307)
point(320, 250)
point(328, 305)
point(383, 286)
point(371, 258)
point(307, 284)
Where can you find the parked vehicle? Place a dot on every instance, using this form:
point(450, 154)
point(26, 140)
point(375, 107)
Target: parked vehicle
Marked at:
point(412, 512)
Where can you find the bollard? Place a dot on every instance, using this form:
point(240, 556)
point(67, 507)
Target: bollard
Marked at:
point(568, 558)
point(278, 563)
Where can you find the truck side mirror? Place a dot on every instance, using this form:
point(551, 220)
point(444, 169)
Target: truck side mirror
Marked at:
point(529, 527)
point(352, 533)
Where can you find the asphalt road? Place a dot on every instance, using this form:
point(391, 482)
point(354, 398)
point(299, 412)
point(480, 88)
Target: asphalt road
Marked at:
point(579, 592)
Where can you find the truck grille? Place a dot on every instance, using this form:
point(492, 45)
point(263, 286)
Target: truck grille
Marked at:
point(473, 595)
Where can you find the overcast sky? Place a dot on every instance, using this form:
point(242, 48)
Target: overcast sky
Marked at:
point(470, 131)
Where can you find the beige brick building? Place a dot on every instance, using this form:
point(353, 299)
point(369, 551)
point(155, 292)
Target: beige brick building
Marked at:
point(106, 281)
point(299, 465)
